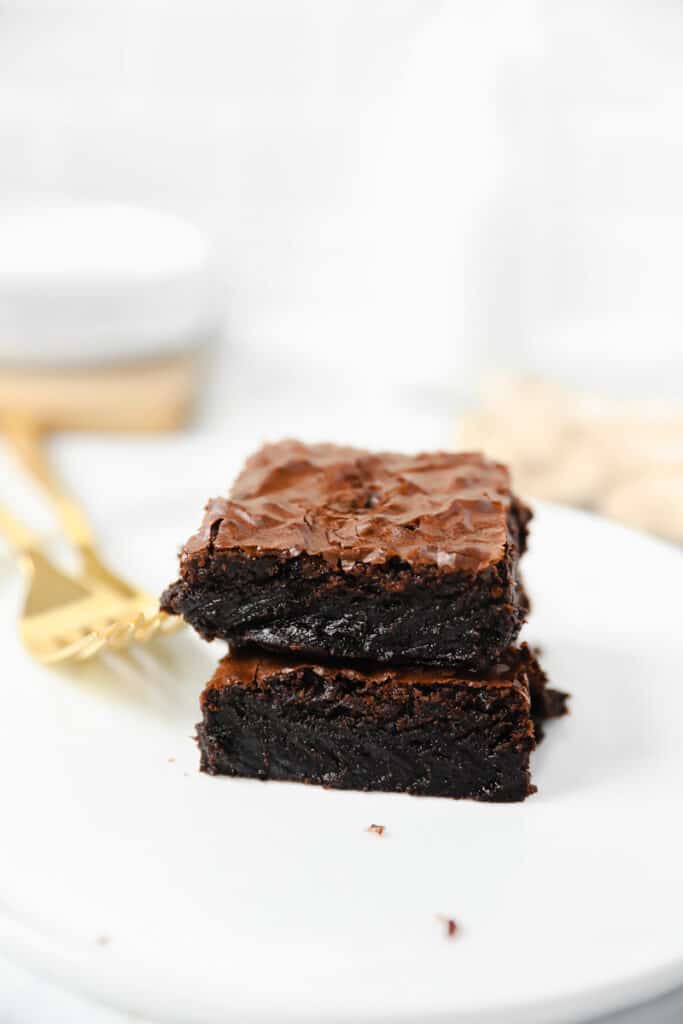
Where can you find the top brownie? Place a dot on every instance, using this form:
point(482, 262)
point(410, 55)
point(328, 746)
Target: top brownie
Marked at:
point(337, 551)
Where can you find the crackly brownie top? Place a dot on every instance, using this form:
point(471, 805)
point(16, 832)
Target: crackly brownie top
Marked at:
point(255, 669)
point(444, 509)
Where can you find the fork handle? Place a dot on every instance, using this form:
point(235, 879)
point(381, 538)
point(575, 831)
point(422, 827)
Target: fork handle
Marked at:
point(25, 437)
point(19, 536)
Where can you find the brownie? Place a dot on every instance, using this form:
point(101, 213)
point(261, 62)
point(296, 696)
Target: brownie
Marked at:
point(334, 551)
point(546, 702)
point(356, 726)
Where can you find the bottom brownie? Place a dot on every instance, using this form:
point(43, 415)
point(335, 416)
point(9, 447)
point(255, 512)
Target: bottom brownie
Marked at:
point(422, 731)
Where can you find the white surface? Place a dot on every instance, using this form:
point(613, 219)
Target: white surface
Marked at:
point(95, 282)
point(272, 902)
point(27, 998)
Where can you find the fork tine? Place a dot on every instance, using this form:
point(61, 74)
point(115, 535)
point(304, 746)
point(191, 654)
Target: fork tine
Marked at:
point(67, 618)
point(88, 647)
point(169, 623)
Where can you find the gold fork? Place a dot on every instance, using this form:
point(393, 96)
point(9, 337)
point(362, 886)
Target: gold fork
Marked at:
point(121, 613)
point(65, 618)
point(25, 439)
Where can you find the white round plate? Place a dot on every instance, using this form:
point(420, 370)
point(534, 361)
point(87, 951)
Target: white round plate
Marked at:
point(126, 874)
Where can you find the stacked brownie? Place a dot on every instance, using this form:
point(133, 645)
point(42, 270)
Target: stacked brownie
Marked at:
point(371, 603)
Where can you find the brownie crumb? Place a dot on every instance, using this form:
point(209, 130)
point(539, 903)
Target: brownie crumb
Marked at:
point(377, 829)
point(450, 924)
point(102, 940)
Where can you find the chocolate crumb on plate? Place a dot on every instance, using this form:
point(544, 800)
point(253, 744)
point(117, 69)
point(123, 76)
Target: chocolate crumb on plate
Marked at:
point(450, 923)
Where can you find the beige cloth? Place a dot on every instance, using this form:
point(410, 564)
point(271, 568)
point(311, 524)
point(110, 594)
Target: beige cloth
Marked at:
point(623, 459)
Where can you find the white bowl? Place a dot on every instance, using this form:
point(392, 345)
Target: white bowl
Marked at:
point(85, 283)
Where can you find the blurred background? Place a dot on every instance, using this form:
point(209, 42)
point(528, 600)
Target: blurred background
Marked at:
point(459, 223)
